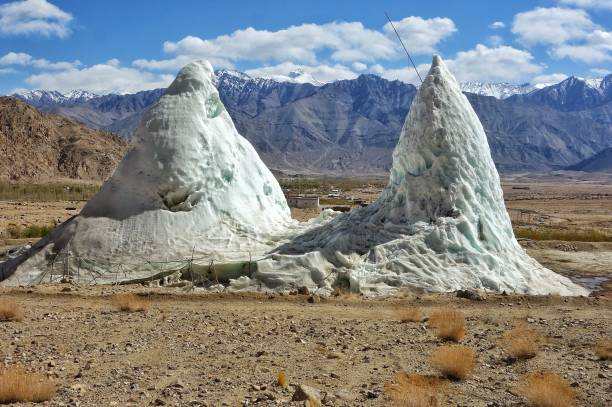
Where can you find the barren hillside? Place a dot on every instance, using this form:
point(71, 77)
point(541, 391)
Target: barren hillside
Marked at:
point(37, 146)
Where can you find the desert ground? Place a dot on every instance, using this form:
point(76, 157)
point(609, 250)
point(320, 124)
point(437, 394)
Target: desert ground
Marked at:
point(191, 348)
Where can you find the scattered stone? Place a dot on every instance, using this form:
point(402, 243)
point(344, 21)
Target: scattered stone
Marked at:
point(473, 295)
point(306, 393)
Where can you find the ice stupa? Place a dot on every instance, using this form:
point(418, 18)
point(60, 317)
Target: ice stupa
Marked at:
point(190, 186)
point(440, 224)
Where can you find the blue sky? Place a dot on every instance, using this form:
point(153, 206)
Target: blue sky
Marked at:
point(126, 46)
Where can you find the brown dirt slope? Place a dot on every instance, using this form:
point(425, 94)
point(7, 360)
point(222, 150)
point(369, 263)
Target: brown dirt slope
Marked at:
point(37, 146)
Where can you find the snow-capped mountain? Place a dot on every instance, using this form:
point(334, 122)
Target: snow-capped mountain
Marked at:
point(40, 98)
point(297, 76)
point(352, 125)
point(501, 90)
point(574, 93)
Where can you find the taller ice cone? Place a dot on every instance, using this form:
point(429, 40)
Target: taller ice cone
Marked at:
point(440, 224)
point(190, 186)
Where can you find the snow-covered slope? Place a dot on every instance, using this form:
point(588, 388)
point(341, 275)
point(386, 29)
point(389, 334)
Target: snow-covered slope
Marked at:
point(497, 90)
point(190, 186)
point(440, 224)
point(297, 76)
point(41, 98)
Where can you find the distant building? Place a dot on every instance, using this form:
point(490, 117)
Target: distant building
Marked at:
point(303, 202)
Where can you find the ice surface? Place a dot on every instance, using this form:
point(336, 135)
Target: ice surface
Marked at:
point(440, 224)
point(190, 185)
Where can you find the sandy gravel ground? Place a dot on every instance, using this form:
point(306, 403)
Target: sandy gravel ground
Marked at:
point(227, 349)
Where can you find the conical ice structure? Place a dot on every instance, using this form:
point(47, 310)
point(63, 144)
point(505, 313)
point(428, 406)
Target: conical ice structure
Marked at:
point(440, 224)
point(189, 187)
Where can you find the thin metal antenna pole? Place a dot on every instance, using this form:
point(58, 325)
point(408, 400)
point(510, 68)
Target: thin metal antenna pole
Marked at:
point(405, 49)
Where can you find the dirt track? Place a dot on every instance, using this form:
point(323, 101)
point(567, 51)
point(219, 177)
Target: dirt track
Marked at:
point(226, 350)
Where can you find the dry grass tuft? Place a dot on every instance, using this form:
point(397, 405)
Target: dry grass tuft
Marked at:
point(10, 311)
point(455, 362)
point(545, 389)
point(415, 390)
point(448, 324)
point(281, 379)
point(521, 342)
point(409, 314)
point(603, 349)
point(313, 403)
point(18, 385)
point(129, 302)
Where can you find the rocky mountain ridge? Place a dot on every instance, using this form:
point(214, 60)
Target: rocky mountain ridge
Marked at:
point(351, 126)
point(37, 146)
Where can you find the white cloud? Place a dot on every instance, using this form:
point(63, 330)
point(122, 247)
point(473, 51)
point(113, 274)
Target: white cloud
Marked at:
point(177, 63)
point(359, 66)
point(7, 71)
point(405, 74)
point(306, 44)
point(499, 64)
point(596, 48)
point(323, 73)
point(548, 79)
point(16, 58)
point(552, 25)
point(345, 41)
point(603, 4)
point(495, 40)
point(23, 59)
point(34, 17)
point(496, 25)
point(601, 71)
point(422, 35)
point(101, 78)
point(569, 33)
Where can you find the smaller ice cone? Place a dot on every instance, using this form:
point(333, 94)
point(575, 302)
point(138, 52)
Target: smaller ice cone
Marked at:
point(440, 224)
point(189, 187)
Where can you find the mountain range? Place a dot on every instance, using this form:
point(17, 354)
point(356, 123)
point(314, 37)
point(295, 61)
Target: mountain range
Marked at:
point(351, 126)
point(600, 162)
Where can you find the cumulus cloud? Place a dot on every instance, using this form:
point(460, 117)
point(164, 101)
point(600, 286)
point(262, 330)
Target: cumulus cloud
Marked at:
point(548, 79)
point(359, 66)
point(496, 25)
point(307, 44)
point(601, 71)
point(100, 78)
point(7, 71)
point(345, 42)
point(495, 40)
point(603, 4)
point(323, 73)
point(597, 47)
point(495, 64)
point(552, 25)
point(569, 33)
point(404, 74)
point(16, 58)
point(34, 17)
point(422, 35)
point(23, 59)
point(498, 64)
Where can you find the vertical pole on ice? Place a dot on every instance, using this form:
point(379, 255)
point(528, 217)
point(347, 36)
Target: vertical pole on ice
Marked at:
point(405, 49)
